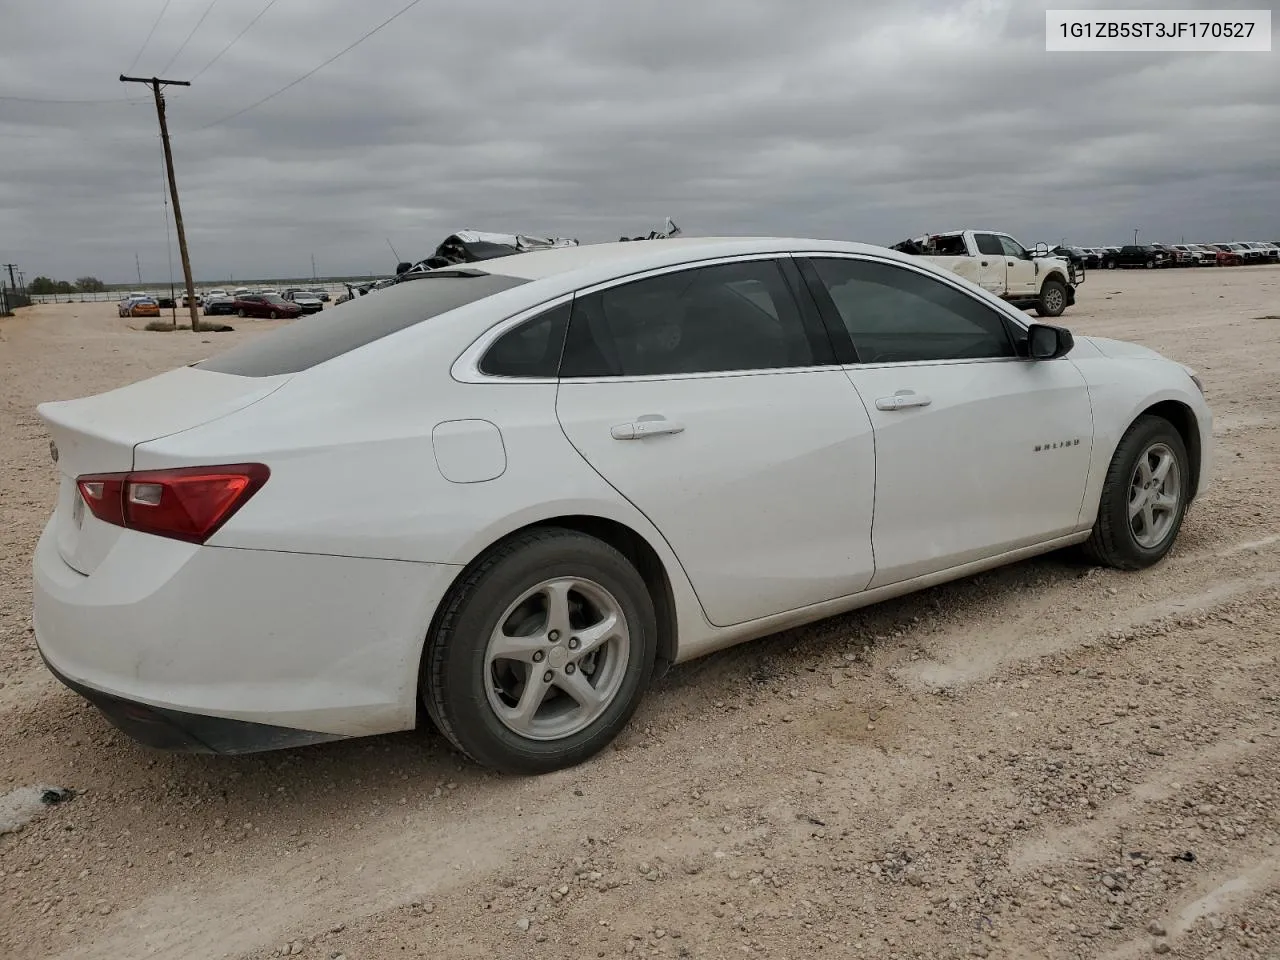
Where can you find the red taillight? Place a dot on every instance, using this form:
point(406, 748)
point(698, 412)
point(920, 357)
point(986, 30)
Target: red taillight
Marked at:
point(189, 503)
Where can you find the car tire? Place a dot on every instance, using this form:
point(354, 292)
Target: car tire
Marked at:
point(1110, 264)
point(480, 700)
point(1053, 299)
point(240, 313)
point(1115, 540)
point(273, 315)
point(1150, 264)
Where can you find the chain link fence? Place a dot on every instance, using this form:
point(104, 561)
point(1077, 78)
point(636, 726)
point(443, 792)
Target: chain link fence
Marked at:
point(11, 300)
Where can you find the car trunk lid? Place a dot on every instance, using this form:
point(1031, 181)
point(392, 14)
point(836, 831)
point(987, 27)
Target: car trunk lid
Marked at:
point(98, 434)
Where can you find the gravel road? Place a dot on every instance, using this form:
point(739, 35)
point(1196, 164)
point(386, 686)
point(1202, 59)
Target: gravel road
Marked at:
point(1047, 761)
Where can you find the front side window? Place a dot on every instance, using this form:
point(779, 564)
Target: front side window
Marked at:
point(896, 315)
point(733, 316)
point(1012, 248)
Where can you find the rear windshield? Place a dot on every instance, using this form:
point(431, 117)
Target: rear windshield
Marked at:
point(331, 333)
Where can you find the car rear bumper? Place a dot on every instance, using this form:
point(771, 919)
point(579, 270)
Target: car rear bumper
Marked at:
point(228, 650)
point(175, 730)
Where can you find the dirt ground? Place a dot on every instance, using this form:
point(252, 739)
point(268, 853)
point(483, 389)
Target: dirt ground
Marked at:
point(1046, 761)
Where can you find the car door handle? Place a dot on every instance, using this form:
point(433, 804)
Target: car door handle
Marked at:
point(647, 426)
point(984, 263)
point(902, 400)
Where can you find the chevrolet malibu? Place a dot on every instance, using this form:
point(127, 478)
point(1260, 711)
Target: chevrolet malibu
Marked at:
point(506, 496)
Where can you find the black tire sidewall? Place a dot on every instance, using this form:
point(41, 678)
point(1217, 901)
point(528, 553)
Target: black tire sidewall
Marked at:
point(1135, 443)
point(462, 700)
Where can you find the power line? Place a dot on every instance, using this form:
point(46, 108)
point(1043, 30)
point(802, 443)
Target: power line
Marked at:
point(48, 100)
point(207, 11)
point(314, 70)
point(138, 55)
point(235, 39)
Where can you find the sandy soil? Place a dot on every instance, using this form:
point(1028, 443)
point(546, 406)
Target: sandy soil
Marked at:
point(1046, 761)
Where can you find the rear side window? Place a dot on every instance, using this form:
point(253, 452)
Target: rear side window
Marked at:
point(530, 350)
point(348, 326)
point(733, 316)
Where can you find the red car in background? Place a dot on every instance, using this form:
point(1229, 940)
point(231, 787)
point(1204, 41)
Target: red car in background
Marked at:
point(266, 306)
point(1226, 256)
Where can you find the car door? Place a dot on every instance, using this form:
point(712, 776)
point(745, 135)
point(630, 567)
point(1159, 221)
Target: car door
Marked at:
point(992, 270)
point(978, 452)
point(1020, 269)
point(708, 396)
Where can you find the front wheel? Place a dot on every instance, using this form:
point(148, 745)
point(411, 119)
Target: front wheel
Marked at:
point(1144, 497)
point(542, 652)
point(240, 313)
point(1111, 264)
point(1150, 264)
point(1053, 299)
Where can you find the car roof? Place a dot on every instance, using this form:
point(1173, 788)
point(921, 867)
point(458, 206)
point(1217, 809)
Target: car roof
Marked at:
point(610, 260)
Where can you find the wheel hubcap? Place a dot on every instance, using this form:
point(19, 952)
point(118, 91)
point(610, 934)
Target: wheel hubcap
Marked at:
point(1155, 494)
point(1053, 300)
point(541, 687)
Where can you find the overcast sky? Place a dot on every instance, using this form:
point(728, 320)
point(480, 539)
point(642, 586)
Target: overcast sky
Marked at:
point(830, 118)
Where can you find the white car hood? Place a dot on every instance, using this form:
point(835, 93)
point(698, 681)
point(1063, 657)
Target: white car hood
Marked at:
point(1123, 348)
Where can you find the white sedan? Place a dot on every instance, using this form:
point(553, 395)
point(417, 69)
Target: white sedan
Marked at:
point(514, 492)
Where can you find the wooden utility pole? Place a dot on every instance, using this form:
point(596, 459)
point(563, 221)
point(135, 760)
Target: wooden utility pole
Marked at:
point(155, 84)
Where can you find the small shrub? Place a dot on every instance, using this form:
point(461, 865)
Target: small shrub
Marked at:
point(206, 326)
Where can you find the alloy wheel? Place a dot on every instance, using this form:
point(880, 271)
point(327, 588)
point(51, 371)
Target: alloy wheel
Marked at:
point(1155, 495)
point(556, 659)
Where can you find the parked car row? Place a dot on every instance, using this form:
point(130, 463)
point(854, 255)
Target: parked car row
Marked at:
point(264, 304)
point(1152, 255)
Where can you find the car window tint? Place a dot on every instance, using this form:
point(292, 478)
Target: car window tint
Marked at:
point(898, 315)
point(734, 316)
point(989, 243)
point(531, 349)
point(1011, 248)
point(322, 336)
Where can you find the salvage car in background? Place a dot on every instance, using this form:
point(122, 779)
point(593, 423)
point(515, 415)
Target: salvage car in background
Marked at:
point(304, 299)
point(1001, 265)
point(457, 494)
point(1142, 255)
point(138, 306)
point(219, 306)
point(265, 306)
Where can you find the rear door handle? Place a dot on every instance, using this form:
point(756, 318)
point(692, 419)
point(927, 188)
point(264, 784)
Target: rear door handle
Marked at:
point(651, 425)
point(903, 400)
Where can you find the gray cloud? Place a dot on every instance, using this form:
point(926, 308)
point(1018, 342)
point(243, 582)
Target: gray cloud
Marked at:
point(823, 117)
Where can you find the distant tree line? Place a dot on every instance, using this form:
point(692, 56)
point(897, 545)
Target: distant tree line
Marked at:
point(43, 285)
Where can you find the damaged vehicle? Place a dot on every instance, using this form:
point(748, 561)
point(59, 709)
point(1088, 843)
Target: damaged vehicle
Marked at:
point(1028, 279)
point(473, 246)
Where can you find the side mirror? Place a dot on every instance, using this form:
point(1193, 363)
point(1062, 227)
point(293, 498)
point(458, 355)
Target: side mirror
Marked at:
point(1047, 342)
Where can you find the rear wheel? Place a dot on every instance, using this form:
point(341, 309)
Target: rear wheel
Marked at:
point(1144, 497)
point(542, 652)
point(273, 314)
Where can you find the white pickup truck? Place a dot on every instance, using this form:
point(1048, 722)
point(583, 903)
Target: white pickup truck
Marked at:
point(1000, 264)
